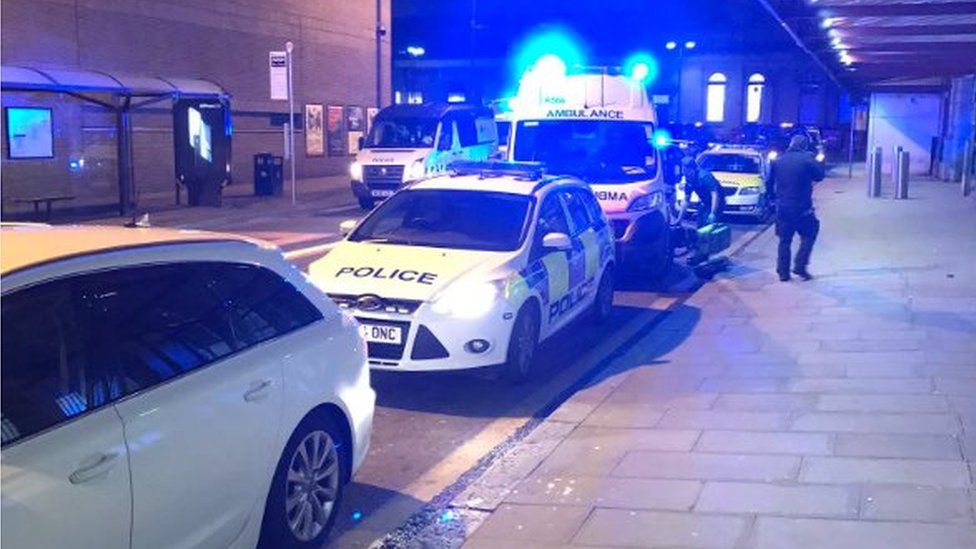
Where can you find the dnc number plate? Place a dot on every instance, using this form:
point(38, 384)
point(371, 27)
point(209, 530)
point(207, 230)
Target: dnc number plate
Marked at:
point(391, 335)
point(381, 193)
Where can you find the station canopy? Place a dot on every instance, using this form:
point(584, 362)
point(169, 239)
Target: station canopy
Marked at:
point(17, 78)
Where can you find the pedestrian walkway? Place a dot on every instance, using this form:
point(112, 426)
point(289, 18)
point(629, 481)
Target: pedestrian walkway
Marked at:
point(835, 413)
point(320, 205)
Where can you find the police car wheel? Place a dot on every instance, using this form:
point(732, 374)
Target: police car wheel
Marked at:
point(366, 202)
point(523, 344)
point(659, 264)
point(603, 303)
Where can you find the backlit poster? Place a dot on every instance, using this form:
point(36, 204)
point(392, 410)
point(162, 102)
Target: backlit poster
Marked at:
point(29, 132)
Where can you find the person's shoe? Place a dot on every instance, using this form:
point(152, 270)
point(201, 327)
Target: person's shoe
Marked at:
point(802, 273)
point(784, 277)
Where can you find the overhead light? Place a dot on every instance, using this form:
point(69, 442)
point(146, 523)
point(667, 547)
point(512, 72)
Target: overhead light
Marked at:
point(837, 44)
point(829, 22)
point(416, 51)
point(671, 45)
point(690, 44)
point(833, 33)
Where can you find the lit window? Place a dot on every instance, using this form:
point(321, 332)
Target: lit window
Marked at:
point(754, 96)
point(415, 98)
point(715, 98)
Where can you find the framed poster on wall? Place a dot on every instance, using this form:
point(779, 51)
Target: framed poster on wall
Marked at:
point(314, 130)
point(355, 124)
point(371, 113)
point(30, 133)
point(334, 130)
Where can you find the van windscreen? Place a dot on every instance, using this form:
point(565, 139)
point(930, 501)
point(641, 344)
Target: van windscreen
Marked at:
point(402, 133)
point(597, 151)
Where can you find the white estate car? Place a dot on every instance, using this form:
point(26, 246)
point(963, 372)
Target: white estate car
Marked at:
point(168, 388)
point(473, 269)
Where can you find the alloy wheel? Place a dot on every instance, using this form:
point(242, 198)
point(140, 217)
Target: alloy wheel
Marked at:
point(311, 485)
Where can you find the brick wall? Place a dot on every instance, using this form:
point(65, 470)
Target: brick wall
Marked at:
point(224, 41)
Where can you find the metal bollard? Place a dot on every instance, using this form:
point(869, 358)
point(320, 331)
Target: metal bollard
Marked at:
point(874, 173)
point(902, 166)
point(968, 161)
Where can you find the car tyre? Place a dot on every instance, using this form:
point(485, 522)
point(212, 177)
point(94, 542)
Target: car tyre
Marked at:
point(603, 302)
point(307, 487)
point(366, 202)
point(522, 345)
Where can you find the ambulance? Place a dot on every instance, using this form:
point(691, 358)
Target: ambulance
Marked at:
point(598, 125)
point(473, 269)
point(407, 143)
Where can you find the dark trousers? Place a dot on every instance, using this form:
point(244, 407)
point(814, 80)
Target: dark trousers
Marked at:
point(787, 224)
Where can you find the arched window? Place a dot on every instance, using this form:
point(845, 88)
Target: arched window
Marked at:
point(715, 98)
point(754, 97)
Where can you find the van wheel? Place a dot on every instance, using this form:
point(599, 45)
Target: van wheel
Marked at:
point(307, 487)
point(522, 345)
point(366, 202)
point(603, 302)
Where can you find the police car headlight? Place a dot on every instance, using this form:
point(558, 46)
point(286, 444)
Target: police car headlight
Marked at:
point(416, 171)
point(821, 157)
point(356, 171)
point(773, 155)
point(647, 202)
point(466, 299)
point(748, 191)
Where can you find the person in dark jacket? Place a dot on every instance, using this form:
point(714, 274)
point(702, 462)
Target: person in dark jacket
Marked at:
point(793, 175)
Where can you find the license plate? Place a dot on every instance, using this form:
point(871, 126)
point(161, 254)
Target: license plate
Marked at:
point(373, 333)
point(381, 193)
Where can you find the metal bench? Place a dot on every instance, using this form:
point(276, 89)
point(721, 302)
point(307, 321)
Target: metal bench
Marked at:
point(47, 200)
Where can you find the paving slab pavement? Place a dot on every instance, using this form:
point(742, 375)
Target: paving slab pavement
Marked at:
point(839, 412)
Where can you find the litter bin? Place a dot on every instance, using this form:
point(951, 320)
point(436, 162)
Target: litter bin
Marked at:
point(268, 175)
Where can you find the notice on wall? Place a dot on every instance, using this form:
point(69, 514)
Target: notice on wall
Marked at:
point(314, 130)
point(334, 129)
point(278, 73)
point(355, 123)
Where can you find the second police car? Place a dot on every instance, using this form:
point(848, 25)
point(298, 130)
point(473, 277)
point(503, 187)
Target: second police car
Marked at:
point(743, 173)
point(473, 269)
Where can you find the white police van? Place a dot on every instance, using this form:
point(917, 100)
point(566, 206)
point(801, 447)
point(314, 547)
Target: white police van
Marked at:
point(473, 269)
point(409, 142)
point(598, 125)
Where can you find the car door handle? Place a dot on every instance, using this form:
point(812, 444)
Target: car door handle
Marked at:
point(256, 390)
point(102, 465)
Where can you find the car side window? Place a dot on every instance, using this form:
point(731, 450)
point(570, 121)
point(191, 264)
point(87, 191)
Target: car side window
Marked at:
point(577, 211)
point(72, 345)
point(552, 217)
point(45, 367)
point(446, 140)
point(467, 133)
point(597, 218)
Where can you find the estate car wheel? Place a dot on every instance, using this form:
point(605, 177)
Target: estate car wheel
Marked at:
point(523, 344)
point(307, 487)
point(366, 202)
point(603, 303)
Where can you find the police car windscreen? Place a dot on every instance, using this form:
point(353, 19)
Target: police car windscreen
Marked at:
point(593, 150)
point(466, 220)
point(402, 133)
point(730, 163)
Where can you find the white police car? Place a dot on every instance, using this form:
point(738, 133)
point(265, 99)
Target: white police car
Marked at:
point(473, 269)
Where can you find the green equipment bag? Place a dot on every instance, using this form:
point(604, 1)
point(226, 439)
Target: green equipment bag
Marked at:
point(713, 239)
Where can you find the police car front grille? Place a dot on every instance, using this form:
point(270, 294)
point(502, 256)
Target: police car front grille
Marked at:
point(729, 190)
point(383, 176)
point(401, 306)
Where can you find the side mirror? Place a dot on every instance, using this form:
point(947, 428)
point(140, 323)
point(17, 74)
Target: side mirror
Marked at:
point(557, 241)
point(347, 226)
point(362, 141)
